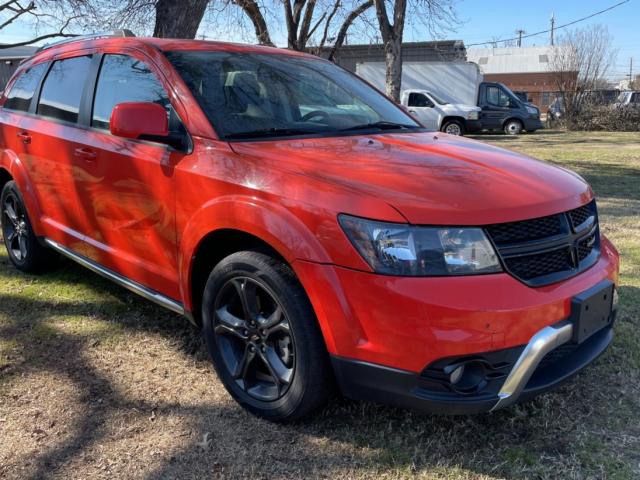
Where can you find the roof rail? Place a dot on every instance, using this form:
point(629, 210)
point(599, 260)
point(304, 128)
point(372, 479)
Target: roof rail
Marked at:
point(90, 36)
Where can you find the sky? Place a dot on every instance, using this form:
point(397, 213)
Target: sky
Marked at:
point(486, 20)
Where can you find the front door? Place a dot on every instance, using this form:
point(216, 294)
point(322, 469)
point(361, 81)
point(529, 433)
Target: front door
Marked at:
point(424, 110)
point(495, 108)
point(127, 186)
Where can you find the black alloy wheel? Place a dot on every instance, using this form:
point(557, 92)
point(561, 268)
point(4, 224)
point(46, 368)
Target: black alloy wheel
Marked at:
point(15, 228)
point(25, 251)
point(254, 338)
point(263, 337)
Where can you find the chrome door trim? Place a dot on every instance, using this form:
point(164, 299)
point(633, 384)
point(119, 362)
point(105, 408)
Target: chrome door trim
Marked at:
point(131, 285)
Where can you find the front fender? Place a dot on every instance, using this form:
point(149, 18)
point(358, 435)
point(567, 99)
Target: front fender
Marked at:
point(12, 164)
point(268, 221)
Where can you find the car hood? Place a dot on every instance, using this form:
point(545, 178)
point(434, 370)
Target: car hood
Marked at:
point(430, 178)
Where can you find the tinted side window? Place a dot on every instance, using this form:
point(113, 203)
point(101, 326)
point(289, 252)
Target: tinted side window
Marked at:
point(62, 89)
point(497, 97)
point(419, 100)
point(19, 98)
point(124, 79)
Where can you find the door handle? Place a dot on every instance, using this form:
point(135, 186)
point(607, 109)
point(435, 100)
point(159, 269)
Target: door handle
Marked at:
point(85, 153)
point(24, 136)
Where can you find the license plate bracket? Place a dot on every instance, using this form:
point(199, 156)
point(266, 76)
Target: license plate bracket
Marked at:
point(591, 310)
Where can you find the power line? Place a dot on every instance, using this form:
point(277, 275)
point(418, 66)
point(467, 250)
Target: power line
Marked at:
point(520, 37)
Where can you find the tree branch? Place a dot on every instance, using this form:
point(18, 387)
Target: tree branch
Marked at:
point(342, 33)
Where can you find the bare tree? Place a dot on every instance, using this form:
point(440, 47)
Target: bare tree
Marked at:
point(435, 15)
point(41, 13)
point(580, 63)
point(307, 22)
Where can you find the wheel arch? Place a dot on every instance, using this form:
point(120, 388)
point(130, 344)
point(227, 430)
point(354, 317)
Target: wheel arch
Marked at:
point(11, 168)
point(5, 177)
point(518, 119)
point(211, 250)
point(226, 226)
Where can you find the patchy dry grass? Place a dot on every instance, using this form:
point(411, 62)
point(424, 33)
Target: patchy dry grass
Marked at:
point(96, 383)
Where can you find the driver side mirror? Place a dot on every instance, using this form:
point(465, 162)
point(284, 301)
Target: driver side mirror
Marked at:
point(139, 120)
point(146, 121)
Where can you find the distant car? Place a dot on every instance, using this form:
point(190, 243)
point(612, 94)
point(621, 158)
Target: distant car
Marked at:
point(628, 99)
point(556, 110)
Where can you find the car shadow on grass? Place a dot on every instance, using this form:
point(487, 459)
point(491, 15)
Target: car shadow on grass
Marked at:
point(573, 433)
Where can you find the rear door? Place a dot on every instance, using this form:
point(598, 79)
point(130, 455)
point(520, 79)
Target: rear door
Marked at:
point(48, 154)
point(127, 186)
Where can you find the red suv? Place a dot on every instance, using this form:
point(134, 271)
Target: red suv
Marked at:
point(319, 235)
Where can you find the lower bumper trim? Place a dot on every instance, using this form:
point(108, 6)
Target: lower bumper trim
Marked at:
point(361, 380)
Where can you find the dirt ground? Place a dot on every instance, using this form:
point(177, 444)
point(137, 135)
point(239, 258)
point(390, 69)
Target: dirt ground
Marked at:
point(97, 383)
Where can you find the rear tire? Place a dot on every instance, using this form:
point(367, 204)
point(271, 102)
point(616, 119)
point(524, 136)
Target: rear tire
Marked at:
point(513, 127)
point(453, 127)
point(26, 253)
point(264, 339)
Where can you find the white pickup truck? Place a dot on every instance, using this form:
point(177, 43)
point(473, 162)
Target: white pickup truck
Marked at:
point(438, 114)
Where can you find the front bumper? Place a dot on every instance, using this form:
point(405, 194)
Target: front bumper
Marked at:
point(383, 331)
point(531, 124)
point(547, 361)
point(472, 126)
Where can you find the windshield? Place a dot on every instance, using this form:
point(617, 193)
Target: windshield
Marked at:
point(438, 100)
point(622, 98)
point(249, 95)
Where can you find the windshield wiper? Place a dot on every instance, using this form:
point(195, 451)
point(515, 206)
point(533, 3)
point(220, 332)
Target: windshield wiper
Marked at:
point(379, 126)
point(269, 132)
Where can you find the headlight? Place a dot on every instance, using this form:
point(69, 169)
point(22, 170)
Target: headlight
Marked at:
point(532, 110)
point(400, 249)
point(472, 116)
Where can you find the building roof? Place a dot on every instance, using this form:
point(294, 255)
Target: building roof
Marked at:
point(17, 52)
point(513, 59)
point(437, 51)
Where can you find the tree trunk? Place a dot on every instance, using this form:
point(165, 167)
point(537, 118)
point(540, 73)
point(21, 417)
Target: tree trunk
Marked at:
point(393, 58)
point(178, 19)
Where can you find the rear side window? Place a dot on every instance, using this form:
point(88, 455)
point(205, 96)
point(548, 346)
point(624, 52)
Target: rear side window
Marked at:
point(62, 89)
point(19, 98)
point(125, 79)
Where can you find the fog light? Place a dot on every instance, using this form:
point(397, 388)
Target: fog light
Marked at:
point(456, 375)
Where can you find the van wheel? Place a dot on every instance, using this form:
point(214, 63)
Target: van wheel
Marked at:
point(453, 127)
point(513, 127)
point(25, 251)
point(263, 337)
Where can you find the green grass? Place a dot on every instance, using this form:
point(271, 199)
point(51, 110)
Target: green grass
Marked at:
point(130, 393)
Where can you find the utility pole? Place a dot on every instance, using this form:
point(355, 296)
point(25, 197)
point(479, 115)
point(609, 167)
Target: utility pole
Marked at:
point(631, 86)
point(553, 25)
point(520, 32)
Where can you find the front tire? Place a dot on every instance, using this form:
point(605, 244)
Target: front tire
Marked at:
point(453, 127)
point(263, 337)
point(513, 127)
point(25, 251)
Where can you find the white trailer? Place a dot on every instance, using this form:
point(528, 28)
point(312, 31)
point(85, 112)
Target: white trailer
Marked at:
point(455, 82)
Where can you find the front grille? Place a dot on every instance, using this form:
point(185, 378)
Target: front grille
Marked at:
point(505, 233)
point(580, 215)
point(538, 265)
point(548, 249)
